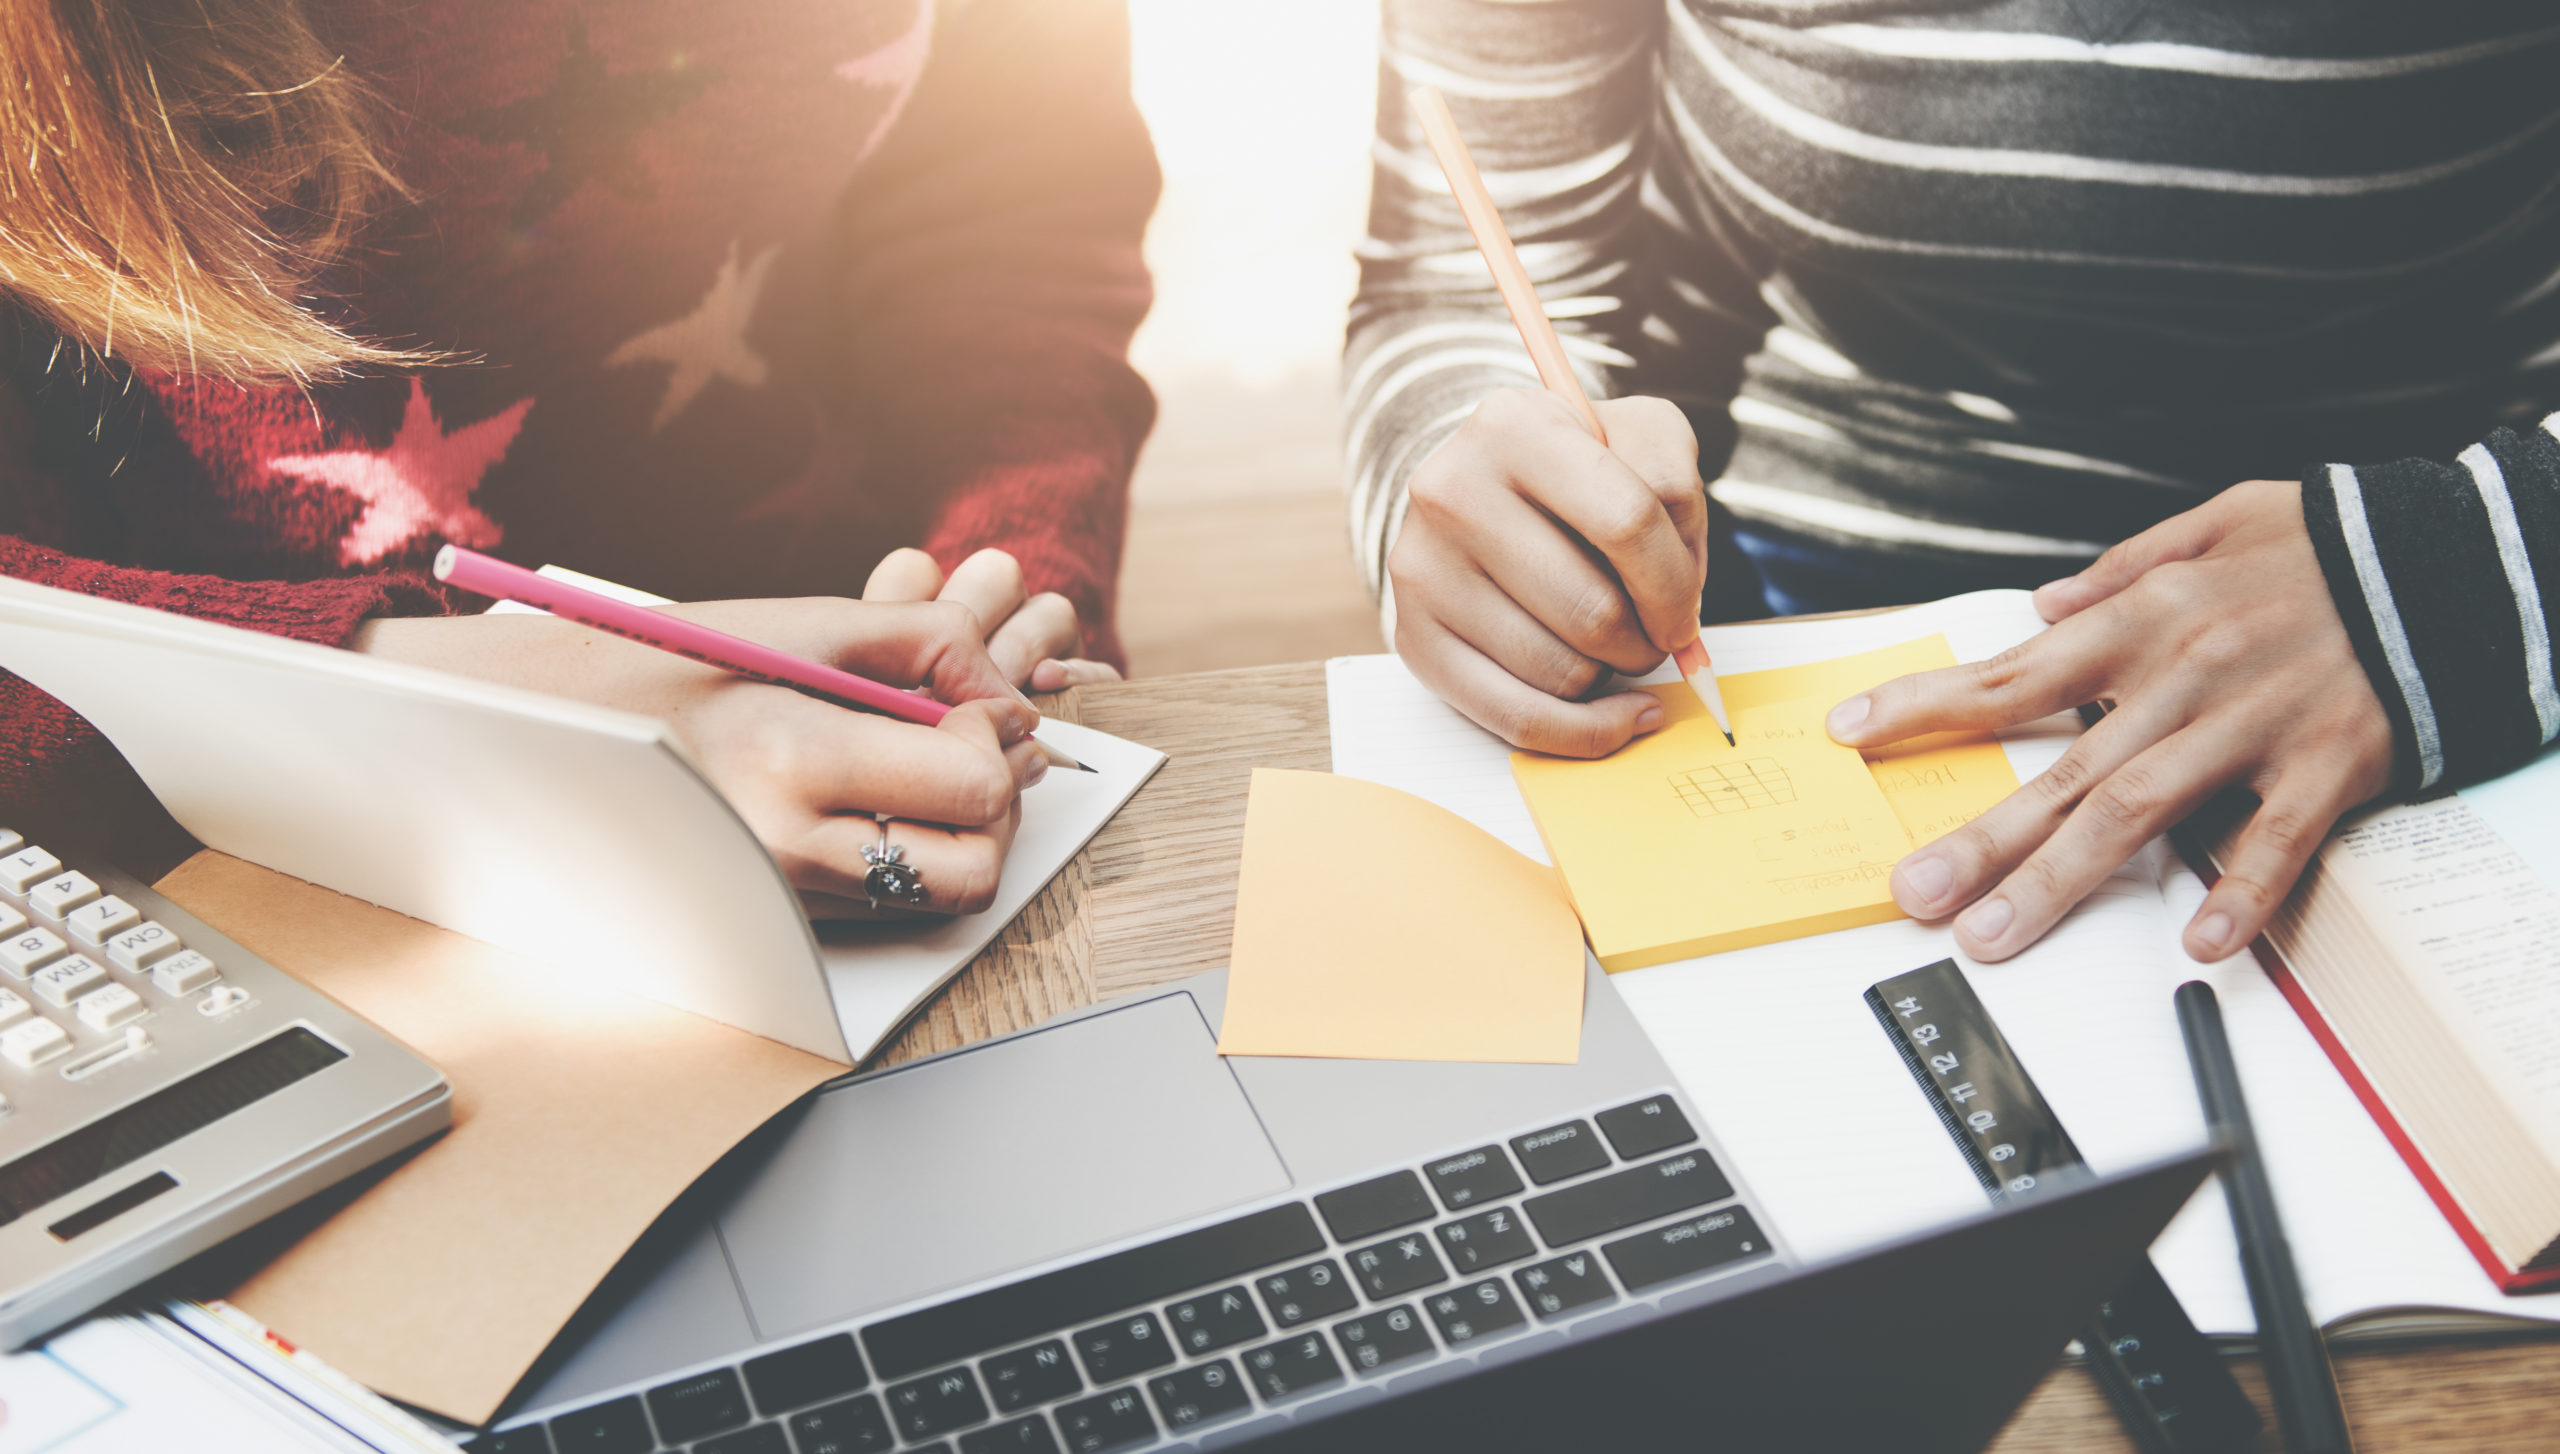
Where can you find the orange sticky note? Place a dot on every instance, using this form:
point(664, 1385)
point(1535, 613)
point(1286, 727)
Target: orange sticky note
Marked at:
point(1371, 925)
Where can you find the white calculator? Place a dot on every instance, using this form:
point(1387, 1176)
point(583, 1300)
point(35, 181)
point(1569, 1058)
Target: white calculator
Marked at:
point(161, 1088)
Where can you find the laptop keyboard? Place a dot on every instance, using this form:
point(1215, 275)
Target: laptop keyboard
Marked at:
point(1191, 1336)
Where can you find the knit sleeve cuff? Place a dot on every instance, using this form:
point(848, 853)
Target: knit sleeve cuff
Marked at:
point(326, 611)
point(2436, 572)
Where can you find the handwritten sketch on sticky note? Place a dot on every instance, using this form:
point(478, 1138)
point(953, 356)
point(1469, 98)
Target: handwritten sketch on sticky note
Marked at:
point(1734, 787)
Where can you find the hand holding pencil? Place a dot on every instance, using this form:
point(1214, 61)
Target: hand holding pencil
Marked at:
point(1550, 541)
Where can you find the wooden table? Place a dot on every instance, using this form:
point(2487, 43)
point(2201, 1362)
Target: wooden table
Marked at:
point(1150, 901)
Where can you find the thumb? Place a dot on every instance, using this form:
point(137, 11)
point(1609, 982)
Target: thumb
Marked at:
point(2180, 537)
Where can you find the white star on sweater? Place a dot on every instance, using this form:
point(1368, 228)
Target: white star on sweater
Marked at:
point(419, 484)
point(709, 342)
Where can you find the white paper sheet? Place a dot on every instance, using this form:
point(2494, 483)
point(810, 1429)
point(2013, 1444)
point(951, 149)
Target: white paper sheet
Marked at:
point(1775, 1044)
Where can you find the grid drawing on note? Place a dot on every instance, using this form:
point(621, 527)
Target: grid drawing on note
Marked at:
point(1734, 787)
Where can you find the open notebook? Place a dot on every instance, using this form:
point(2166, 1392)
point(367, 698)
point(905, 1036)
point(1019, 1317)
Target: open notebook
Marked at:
point(1817, 1108)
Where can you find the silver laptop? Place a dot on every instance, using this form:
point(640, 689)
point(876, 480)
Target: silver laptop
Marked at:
point(1097, 1235)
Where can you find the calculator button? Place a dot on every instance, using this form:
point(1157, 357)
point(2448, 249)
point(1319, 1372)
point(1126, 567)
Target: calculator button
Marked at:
point(10, 838)
point(1293, 1366)
point(1559, 1151)
point(61, 894)
point(1199, 1394)
point(67, 979)
point(936, 1403)
point(33, 1043)
point(1478, 1310)
point(184, 973)
point(31, 951)
point(1214, 1320)
point(1622, 1199)
point(109, 1006)
point(1474, 1176)
point(11, 921)
point(139, 947)
point(1033, 1375)
point(1708, 1240)
point(1391, 1201)
point(27, 867)
point(618, 1427)
point(1650, 1125)
point(1487, 1239)
point(1317, 1290)
point(1117, 1350)
point(1106, 1421)
point(93, 922)
point(851, 1426)
point(1561, 1284)
point(1383, 1338)
point(13, 1008)
point(1398, 1265)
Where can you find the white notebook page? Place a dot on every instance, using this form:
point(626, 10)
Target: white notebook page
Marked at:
point(1776, 1044)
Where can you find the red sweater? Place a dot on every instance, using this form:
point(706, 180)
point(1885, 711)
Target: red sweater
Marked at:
point(749, 295)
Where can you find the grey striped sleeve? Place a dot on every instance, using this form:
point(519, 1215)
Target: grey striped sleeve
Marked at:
point(1557, 100)
point(2441, 573)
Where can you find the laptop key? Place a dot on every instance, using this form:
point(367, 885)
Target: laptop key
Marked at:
point(1117, 1350)
point(1106, 1421)
point(797, 1377)
point(1026, 1435)
point(1381, 1205)
point(936, 1403)
point(1664, 1253)
point(1200, 1394)
point(1293, 1366)
point(762, 1439)
point(1559, 1285)
point(619, 1427)
point(1397, 1266)
point(1478, 1310)
point(1474, 1176)
point(698, 1407)
point(850, 1426)
point(1384, 1338)
point(1028, 1376)
point(1624, 1198)
point(1487, 1239)
point(1317, 1290)
point(528, 1440)
point(1214, 1320)
point(1650, 1125)
point(1557, 1152)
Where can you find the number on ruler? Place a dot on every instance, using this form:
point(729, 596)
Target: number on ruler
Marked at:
point(1907, 1006)
point(1943, 1061)
point(1923, 1034)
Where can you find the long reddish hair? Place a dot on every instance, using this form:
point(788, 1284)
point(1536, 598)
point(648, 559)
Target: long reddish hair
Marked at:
point(175, 176)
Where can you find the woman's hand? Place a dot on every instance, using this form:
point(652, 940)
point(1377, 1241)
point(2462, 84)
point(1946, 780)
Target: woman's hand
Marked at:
point(1029, 636)
point(1534, 560)
point(808, 776)
point(2213, 637)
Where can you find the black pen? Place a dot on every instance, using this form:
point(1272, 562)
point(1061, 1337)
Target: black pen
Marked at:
point(2299, 1379)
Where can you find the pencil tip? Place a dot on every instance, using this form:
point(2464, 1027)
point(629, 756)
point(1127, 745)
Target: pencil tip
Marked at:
point(1729, 742)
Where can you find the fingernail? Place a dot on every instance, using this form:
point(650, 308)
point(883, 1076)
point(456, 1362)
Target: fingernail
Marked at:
point(1848, 717)
point(1928, 877)
point(1988, 920)
point(2213, 931)
point(1650, 718)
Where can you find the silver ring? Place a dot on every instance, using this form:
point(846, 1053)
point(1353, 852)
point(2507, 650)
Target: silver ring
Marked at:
point(891, 876)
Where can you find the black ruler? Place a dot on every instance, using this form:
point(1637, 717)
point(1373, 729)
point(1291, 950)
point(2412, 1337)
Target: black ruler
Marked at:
point(2172, 1391)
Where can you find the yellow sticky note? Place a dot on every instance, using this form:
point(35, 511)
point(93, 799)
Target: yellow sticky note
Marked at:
point(1937, 783)
point(1371, 925)
point(1681, 844)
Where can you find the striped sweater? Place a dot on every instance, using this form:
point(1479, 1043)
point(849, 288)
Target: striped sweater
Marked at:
point(1958, 295)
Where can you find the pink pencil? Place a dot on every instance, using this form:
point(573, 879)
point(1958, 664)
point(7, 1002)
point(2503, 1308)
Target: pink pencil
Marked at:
point(484, 575)
point(1538, 335)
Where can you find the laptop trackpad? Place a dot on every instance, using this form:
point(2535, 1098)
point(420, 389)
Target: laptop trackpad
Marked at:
point(995, 1160)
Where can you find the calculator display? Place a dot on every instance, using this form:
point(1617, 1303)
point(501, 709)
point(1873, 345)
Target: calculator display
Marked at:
point(166, 1115)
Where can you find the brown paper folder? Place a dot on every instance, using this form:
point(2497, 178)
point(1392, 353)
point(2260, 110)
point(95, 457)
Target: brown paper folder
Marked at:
point(579, 1113)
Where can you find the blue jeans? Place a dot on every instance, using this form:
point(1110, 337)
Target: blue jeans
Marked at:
point(1799, 576)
